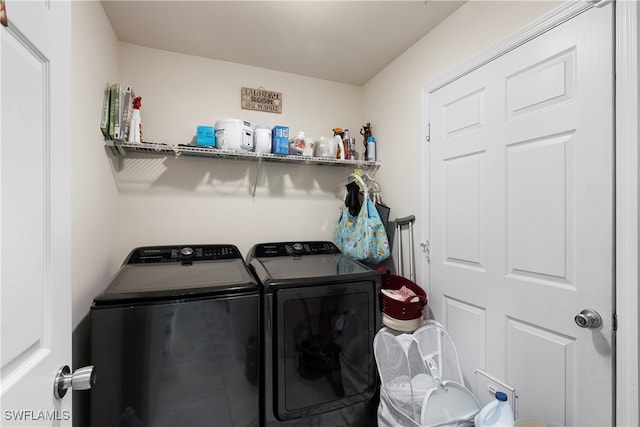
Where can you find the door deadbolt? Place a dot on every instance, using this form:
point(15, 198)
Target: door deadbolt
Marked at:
point(588, 319)
point(81, 379)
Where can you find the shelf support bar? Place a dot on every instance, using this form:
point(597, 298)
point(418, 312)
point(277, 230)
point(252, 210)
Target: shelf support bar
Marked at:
point(255, 183)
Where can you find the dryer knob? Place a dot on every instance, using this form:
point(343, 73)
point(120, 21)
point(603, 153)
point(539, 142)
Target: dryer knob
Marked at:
point(186, 251)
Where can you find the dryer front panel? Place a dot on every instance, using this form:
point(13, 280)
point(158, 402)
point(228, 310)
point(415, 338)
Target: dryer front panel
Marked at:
point(180, 363)
point(323, 349)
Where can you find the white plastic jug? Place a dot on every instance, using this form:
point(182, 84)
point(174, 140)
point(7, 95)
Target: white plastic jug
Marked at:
point(496, 413)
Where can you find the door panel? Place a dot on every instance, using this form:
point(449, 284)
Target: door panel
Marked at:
point(467, 320)
point(464, 192)
point(551, 362)
point(521, 205)
point(537, 204)
point(25, 196)
point(35, 278)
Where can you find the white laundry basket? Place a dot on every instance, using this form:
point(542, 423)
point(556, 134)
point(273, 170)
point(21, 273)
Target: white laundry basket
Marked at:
point(422, 384)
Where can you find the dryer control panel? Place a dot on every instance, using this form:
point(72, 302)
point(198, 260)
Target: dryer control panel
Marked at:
point(294, 249)
point(155, 254)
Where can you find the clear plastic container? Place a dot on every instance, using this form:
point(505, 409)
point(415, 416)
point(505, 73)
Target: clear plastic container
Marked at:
point(262, 139)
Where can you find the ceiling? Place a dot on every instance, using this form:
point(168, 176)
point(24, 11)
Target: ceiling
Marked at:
point(345, 41)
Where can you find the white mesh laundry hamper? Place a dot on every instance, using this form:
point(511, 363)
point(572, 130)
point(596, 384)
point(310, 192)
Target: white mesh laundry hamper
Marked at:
point(422, 384)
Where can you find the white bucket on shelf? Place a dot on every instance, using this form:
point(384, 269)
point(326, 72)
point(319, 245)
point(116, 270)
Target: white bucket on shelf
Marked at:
point(234, 135)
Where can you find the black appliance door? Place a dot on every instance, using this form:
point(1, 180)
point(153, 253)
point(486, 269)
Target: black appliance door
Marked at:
point(189, 363)
point(323, 348)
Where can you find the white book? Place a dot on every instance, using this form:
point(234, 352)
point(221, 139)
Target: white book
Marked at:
point(117, 113)
point(127, 112)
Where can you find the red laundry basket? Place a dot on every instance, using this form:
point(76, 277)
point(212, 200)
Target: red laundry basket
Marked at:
point(401, 310)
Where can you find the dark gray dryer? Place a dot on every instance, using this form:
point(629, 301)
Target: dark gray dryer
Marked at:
point(320, 316)
point(175, 340)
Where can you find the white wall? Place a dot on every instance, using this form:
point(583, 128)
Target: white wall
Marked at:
point(205, 200)
point(94, 193)
point(95, 196)
point(393, 99)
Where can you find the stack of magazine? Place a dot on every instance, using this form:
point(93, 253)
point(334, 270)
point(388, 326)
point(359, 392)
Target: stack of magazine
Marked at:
point(117, 108)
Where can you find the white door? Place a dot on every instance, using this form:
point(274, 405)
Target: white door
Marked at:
point(521, 220)
point(35, 221)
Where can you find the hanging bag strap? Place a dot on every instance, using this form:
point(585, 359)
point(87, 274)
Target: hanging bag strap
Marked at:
point(361, 182)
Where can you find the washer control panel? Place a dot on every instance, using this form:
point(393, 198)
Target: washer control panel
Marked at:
point(154, 254)
point(294, 249)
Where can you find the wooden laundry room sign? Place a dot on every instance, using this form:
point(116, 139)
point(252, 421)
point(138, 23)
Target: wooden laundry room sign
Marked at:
point(261, 100)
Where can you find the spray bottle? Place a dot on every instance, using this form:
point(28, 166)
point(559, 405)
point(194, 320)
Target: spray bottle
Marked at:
point(346, 141)
point(135, 129)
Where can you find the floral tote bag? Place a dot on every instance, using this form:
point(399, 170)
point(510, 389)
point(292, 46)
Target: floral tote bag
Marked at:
point(362, 237)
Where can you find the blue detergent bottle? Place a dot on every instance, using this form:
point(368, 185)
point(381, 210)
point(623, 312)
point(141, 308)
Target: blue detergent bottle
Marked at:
point(496, 413)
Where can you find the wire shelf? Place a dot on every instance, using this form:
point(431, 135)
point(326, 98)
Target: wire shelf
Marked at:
point(122, 148)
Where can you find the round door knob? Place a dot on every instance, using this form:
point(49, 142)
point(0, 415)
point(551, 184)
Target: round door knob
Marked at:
point(81, 379)
point(588, 318)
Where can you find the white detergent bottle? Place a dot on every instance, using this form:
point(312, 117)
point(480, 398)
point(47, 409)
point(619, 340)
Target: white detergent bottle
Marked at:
point(496, 413)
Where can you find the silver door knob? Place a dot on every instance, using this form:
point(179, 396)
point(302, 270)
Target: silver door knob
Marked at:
point(81, 379)
point(588, 319)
